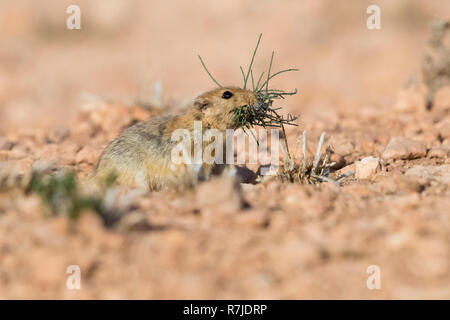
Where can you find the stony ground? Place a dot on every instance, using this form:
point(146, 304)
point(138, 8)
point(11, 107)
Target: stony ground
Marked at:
point(252, 241)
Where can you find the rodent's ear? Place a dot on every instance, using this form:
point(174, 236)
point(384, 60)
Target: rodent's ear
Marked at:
point(201, 104)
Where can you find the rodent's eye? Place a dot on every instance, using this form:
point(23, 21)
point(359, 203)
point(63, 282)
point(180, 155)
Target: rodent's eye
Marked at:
point(227, 95)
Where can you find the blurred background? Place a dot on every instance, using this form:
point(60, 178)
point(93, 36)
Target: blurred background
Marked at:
point(124, 47)
point(289, 240)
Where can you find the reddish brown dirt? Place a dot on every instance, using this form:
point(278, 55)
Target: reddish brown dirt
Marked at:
point(290, 241)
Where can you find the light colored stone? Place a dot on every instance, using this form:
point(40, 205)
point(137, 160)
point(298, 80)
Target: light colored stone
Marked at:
point(397, 182)
point(444, 130)
point(442, 98)
point(139, 114)
point(435, 173)
point(367, 167)
point(404, 148)
point(247, 187)
point(441, 152)
point(67, 153)
point(58, 135)
point(344, 148)
point(48, 152)
point(346, 170)
point(409, 100)
point(12, 155)
point(87, 155)
point(408, 184)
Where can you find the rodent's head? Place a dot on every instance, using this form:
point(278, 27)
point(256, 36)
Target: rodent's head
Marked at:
point(217, 105)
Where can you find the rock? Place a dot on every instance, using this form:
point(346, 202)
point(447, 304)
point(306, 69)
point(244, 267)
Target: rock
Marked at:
point(441, 152)
point(32, 134)
point(294, 196)
point(5, 144)
point(31, 207)
point(67, 153)
point(444, 130)
point(409, 100)
point(406, 202)
point(112, 118)
point(60, 226)
point(404, 148)
point(11, 155)
point(359, 190)
point(220, 195)
point(44, 166)
point(254, 218)
point(15, 173)
point(248, 187)
point(84, 131)
point(119, 199)
point(139, 114)
point(400, 183)
point(87, 155)
point(134, 221)
point(344, 148)
point(370, 145)
point(48, 152)
point(47, 268)
point(430, 255)
point(442, 98)
point(408, 184)
point(433, 173)
point(58, 135)
point(367, 167)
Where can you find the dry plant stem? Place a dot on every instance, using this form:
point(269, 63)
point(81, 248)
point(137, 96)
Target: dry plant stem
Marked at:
point(296, 146)
point(318, 153)
point(288, 160)
point(309, 172)
point(304, 160)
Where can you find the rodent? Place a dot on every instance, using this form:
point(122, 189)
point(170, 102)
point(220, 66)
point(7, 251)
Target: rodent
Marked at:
point(141, 155)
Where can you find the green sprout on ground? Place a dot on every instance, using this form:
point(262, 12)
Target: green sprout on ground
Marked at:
point(60, 193)
point(63, 195)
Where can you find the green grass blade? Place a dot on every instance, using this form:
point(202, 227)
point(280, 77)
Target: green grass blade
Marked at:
point(259, 80)
point(210, 75)
point(251, 62)
point(268, 73)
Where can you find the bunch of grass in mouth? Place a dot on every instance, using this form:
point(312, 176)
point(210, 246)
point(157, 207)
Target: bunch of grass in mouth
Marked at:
point(263, 114)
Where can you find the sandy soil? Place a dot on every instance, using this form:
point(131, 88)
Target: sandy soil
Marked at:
point(64, 94)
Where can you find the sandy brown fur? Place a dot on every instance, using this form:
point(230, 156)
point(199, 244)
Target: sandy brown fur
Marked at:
point(141, 155)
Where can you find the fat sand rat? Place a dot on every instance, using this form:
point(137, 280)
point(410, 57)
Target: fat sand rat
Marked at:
point(141, 156)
